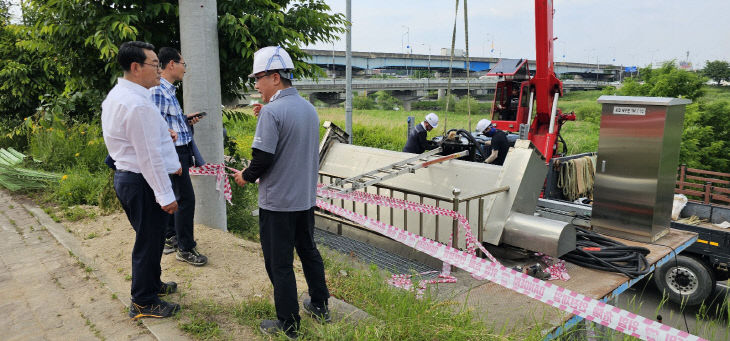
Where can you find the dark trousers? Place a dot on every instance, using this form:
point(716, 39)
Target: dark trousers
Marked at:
point(281, 233)
point(181, 225)
point(147, 219)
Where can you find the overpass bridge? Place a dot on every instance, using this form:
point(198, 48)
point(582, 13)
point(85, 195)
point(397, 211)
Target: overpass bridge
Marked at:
point(365, 64)
point(408, 90)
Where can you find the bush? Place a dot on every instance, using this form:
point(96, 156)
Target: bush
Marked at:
point(79, 186)
point(667, 81)
point(386, 101)
point(59, 145)
point(590, 112)
point(481, 109)
point(706, 135)
point(363, 103)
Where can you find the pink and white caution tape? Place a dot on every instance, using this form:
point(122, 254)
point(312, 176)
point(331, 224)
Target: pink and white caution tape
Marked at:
point(220, 172)
point(561, 298)
point(555, 267)
point(404, 281)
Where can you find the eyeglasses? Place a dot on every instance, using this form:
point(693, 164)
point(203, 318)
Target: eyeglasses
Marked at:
point(158, 65)
point(183, 64)
point(268, 73)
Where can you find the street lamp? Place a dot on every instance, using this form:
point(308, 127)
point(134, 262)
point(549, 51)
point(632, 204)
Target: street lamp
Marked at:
point(407, 33)
point(429, 56)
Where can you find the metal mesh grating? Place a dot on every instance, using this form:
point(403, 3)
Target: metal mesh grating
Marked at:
point(371, 254)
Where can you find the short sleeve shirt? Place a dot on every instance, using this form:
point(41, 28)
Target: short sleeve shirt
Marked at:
point(288, 127)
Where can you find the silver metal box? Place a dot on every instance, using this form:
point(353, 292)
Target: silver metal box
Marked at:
point(638, 153)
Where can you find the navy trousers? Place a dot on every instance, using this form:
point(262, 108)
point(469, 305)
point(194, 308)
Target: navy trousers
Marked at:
point(181, 225)
point(148, 220)
point(281, 233)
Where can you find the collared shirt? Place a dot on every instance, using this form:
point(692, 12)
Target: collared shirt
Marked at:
point(164, 97)
point(137, 138)
point(288, 127)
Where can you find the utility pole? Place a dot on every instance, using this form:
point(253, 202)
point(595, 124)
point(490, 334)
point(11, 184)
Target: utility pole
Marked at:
point(348, 73)
point(202, 92)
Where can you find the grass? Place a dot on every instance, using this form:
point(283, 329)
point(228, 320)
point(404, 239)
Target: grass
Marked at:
point(395, 314)
point(386, 129)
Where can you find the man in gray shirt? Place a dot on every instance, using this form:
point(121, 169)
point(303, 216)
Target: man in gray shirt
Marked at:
point(286, 161)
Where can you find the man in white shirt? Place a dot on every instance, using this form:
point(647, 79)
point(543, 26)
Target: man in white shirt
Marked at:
point(138, 140)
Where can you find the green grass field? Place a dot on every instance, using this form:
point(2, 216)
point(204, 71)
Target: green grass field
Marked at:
point(386, 129)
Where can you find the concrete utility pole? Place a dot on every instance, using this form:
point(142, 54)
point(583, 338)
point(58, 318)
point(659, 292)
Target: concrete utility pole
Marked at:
point(202, 92)
point(348, 73)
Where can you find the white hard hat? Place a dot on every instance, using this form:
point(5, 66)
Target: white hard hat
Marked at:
point(272, 58)
point(432, 119)
point(483, 124)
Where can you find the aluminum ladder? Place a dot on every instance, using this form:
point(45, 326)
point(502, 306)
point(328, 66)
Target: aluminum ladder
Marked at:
point(409, 165)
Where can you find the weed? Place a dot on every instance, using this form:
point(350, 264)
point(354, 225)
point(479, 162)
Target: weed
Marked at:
point(251, 311)
point(77, 213)
point(128, 277)
point(11, 206)
point(114, 296)
point(91, 235)
point(200, 321)
point(12, 222)
point(93, 328)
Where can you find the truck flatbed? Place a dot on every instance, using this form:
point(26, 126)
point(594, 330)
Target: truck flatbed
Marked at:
point(507, 309)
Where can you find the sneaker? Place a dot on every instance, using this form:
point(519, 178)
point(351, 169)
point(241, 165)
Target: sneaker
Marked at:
point(167, 288)
point(321, 314)
point(170, 245)
point(160, 309)
point(193, 257)
point(274, 327)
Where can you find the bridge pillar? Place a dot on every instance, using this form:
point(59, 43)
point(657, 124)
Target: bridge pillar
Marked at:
point(441, 93)
point(407, 105)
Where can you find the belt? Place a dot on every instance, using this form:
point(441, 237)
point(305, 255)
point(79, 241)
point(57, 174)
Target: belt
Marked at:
point(185, 146)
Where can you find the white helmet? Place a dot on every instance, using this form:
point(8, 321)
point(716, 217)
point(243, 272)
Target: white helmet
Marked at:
point(483, 124)
point(272, 58)
point(432, 119)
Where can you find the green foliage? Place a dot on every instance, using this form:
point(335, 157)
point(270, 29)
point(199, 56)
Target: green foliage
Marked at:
point(667, 81)
point(76, 213)
point(385, 101)
point(477, 108)
point(417, 74)
point(717, 70)
point(706, 136)
point(59, 143)
point(363, 102)
point(240, 127)
point(84, 35)
point(78, 186)
point(28, 70)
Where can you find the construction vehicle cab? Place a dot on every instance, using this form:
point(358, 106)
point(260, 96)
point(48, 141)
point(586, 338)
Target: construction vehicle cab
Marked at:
point(511, 96)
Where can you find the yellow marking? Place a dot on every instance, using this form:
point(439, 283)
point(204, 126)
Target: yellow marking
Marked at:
point(702, 241)
point(714, 244)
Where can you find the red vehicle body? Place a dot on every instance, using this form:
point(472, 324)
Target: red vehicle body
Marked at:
point(543, 89)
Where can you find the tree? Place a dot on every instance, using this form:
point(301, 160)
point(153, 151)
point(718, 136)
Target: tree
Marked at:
point(667, 81)
point(85, 35)
point(705, 137)
point(29, 70)
point(717, 70)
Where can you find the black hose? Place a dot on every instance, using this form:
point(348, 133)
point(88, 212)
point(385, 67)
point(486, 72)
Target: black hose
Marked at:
point(610, 256)
point(470, 138)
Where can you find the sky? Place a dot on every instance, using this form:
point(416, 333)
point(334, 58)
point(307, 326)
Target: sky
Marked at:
point(621, 32)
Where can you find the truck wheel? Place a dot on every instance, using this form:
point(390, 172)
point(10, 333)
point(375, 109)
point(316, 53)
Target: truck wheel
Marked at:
point(686, 280)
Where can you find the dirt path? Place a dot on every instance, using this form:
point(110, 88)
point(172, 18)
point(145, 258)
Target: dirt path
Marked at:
point(235, 271)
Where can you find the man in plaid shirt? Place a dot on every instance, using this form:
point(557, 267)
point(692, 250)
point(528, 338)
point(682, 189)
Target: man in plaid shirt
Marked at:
point(179, 232)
